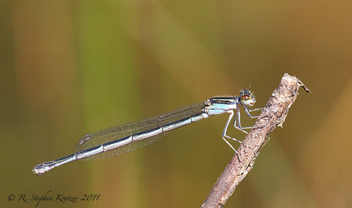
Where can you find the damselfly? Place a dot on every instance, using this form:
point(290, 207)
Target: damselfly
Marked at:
point(128, 137)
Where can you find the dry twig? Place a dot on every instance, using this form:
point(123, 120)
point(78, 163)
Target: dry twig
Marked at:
point(273, 115)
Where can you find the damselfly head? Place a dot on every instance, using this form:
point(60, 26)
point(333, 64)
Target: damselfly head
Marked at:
point(247, 97)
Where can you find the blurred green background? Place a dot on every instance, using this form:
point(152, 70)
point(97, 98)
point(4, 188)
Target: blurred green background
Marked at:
point(72, 67)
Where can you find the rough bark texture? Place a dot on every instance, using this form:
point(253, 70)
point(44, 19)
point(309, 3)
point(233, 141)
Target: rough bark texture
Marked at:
point(273, 115)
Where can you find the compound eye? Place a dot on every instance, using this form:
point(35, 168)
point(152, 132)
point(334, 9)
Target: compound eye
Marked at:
point(245, 97)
